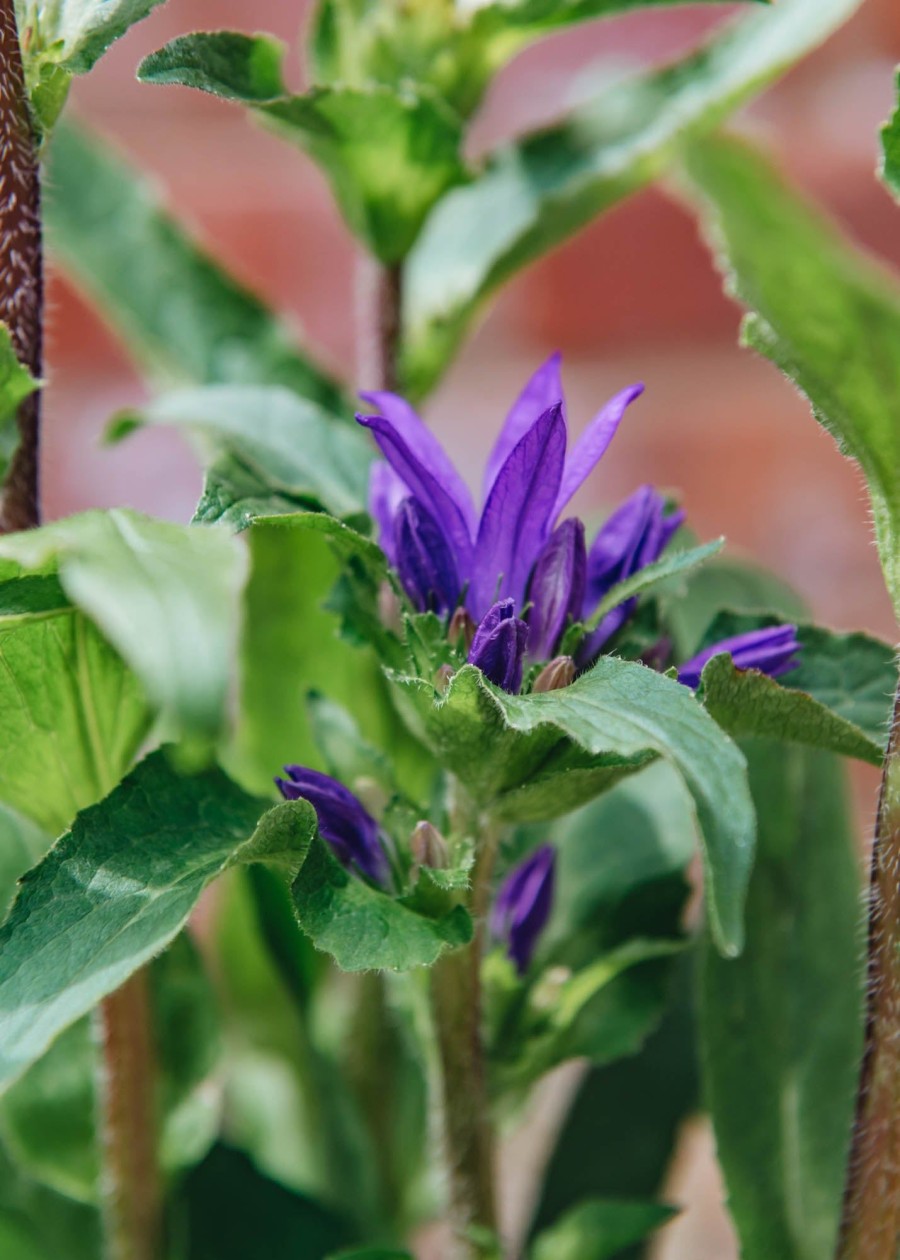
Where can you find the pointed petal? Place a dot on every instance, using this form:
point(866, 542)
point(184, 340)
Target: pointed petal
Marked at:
point(613, 551)
point(425, 446)
point(386, 493)
point(592, 444)
point(542, 391)
point(773, 650)
point(518, 514)
point(425, 483)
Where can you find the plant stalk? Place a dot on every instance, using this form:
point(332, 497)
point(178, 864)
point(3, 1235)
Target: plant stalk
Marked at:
point(380, 299)
point(132, 1194)
point(21, 272)
point(870, 1225)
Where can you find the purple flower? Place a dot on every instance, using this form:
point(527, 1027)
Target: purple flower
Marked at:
point(772, 651)
point(424, 560)
point(556, 590)
point(498, 648)
point(529, 479)
point(523, 905)
point(343, 821)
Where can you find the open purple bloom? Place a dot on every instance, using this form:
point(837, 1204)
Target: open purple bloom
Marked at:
point(772, 650)
point(343, 821)
point(498, 648)
point(523, 905)
point(530, 478)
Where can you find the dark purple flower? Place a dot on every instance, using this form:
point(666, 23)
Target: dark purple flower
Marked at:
point(523, 905)
point(343, 821)
point(556, 590)
point(529, 480)
point(423, 559)
point(772, 651)
point(498, 648)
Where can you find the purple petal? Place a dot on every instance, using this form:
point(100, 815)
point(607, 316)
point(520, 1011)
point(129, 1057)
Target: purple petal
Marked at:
point(498, 648)
point(523, 905)
point(424, 560)
point(426, 448)
point(556, 590)
point(772, 650)
point(343, 821)
point(591, 446)
point(518, 514)
point(541, 392)
point(386, 493)
point(425, 483)
point(635, 535)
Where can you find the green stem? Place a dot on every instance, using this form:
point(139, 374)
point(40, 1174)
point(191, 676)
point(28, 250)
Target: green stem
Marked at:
point(870, 1227)
point(21, 273)
point(132, 1198)
point(380, 298)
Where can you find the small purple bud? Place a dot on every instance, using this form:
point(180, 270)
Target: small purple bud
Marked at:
point(428, 847)
point(498, 648)
point(343, 820)
point(772, 651)
point(560, 672)
point(424, 560)
point(557, 588)
point(461, 629)
point(523, 905)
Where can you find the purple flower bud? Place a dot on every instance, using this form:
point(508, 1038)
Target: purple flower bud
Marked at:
point(428, 847)
point(556, 674)
point(557, 588)
point(523, 905)
point(424, 560)
point(343, 821)
point(772, 651)
point(498, 648)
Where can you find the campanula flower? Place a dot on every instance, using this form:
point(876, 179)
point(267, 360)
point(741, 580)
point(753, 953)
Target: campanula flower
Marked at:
point(523, 905)
point(772, 650)
point(343, 820)
point(498, 648)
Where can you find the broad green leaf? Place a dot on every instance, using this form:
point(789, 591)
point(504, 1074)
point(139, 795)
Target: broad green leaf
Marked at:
point(782, 1025)
point(72, 716)
point(890, 138)
point(537, 192)
point(166, 596)
point(21, 845)
point(118, 887)
point(619, 711)
point(389, 152)
point(181, 315)
point(363, 928)
point(289, 445)
point(16, 384)
point(598, 1230)
point(732, 585)
point(783, 259)
point(232, 1212)
point(670, 566)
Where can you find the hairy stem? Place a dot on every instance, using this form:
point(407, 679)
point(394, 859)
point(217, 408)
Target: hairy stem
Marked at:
point(21, 269)
point(380, 298)
point(870, 1227)
point(132, 1214)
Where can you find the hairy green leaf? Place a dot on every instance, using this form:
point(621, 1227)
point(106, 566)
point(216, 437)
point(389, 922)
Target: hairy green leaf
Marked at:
point(782, 1025)
point(290, 446)
point(618, 711)
point(670, 566)
point(181, 315)
point(166, 596)
point(890, 138)
point(16, 383)
point(535, 193)
point(598, 1230)
point(782, 260)
point(118, 887)
point(389, 152)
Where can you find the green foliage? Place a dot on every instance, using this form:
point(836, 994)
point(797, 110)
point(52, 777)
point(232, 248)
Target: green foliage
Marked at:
point(179, 313)
point(782, 1025)
point(620, 715)
point(538, 191)
point(890, 138)
point(782, 261)
point(672, 565)
point(22, 843)
point(166, 596)
point(389, 152)
point(598, 1230)
point(288, 445)
point(118, 887)
point(39, 1224)
point(16, 384)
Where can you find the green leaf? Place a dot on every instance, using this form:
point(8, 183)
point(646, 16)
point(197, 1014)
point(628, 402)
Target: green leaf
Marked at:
point(670, 566)
point(290, 446)
point(598, 1230)
point(166, 596)
point(537, 192)
point(782, 1025)
point(838, 698)
point(183, 317)
point(735, 585)
point(389, 152)
point(890, 139)
point(363, 928)
point(21, 845)
point(37, 1224)
point(16, 384)
point(782, 259)
point(619, 711)
point(118, 887)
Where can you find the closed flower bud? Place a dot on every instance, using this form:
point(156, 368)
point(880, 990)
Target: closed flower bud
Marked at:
point(523, 906)
point(559, 672)
point(461, 629)
point(773, 651)
point(428, 847)
point(442, 678)
point(557, 588)
point(498, 648)
point(343, 821)
point(424, 559)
